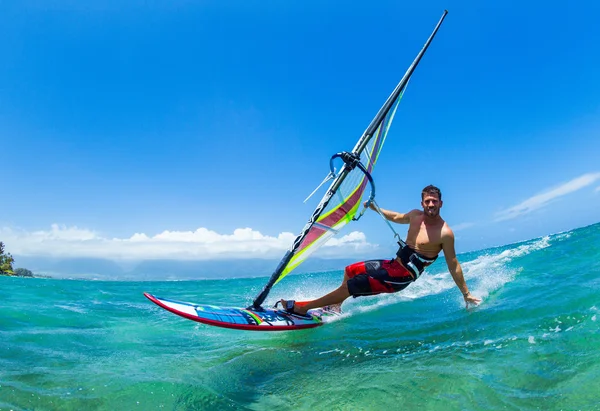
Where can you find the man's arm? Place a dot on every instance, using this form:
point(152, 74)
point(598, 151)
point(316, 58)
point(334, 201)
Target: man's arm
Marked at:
point(455, 268)
point(394, 216)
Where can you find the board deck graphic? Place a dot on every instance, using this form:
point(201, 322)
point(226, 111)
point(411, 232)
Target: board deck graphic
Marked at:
point(264, 319)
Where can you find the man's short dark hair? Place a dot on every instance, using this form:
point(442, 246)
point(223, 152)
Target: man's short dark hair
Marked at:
point(432, 190)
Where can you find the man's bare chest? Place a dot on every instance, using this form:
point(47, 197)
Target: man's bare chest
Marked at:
point(425, 238)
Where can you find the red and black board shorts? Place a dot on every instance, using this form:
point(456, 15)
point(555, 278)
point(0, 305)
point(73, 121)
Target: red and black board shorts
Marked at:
point(376, 277)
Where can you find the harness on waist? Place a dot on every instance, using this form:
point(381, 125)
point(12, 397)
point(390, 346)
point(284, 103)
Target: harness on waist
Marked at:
point(414, 261)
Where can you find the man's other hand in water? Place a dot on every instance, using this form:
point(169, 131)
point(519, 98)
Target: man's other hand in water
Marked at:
point(470, 299)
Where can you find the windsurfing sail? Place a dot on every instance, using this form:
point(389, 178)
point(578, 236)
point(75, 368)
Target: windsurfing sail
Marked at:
point(343, 199)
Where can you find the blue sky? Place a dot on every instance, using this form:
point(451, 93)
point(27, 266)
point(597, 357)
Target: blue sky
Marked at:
point(196, 129)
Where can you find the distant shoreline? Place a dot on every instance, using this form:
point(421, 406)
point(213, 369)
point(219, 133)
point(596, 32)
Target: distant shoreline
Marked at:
point(3, 274)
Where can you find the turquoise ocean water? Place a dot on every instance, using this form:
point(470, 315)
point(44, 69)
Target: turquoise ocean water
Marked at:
point(534, 343)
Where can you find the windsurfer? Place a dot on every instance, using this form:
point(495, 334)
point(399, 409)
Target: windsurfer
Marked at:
point(428, 235)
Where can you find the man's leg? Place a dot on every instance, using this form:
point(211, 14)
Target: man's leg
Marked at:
point(336, 297)
point(338, 307)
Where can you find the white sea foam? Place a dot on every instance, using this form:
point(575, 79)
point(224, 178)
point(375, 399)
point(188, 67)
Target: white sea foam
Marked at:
point(484, 274)
point(72, 308)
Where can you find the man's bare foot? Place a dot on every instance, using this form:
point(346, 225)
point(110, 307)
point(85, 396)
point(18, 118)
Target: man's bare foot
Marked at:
point(336, 308)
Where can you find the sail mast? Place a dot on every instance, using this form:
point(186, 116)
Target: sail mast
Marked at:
point(360, 146)
point(362, 142)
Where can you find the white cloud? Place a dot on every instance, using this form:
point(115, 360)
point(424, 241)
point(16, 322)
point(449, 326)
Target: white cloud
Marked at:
point(355, 237)
point(201, 244)
point(597, 190)
point(541, 200)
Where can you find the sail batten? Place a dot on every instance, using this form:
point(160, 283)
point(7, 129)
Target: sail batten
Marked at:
point(342, 200)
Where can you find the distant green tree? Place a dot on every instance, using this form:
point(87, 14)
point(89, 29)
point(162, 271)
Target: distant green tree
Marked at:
point(6, 261)
point(23, 272)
